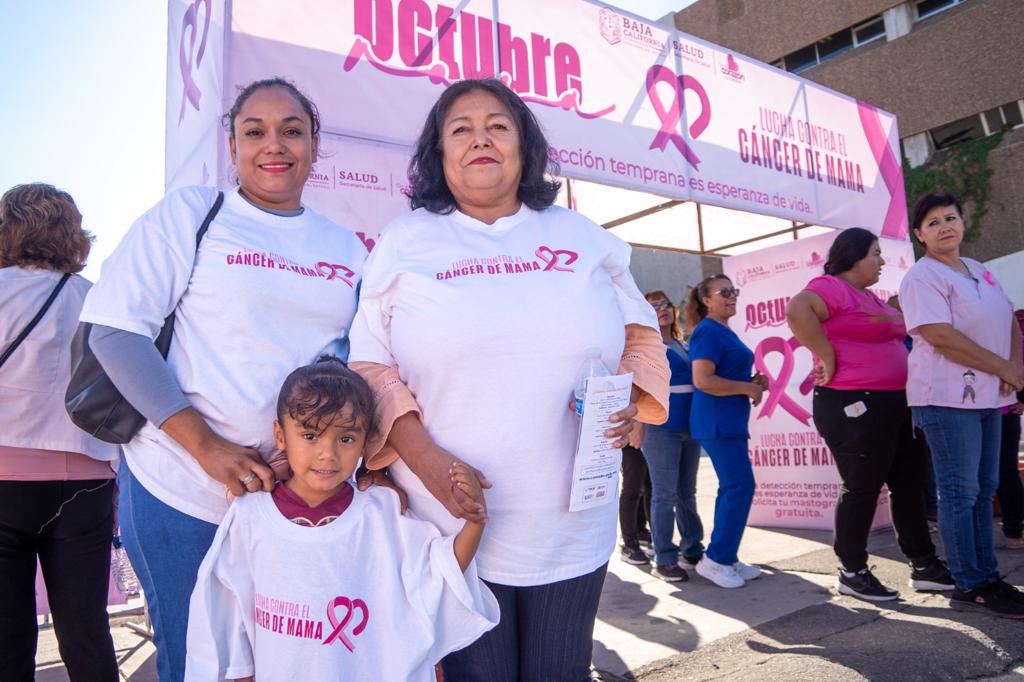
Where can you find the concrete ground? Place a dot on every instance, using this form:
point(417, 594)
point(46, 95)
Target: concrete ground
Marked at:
point(788, 625)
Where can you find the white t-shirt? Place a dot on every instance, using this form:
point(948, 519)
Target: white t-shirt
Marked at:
point(266, 295)
point(372, 595)
point(34, 379)
point(488, 326)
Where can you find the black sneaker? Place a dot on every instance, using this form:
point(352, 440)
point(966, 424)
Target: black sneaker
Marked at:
point(1008, 591)
point(988, 598)
point(670, 573)
point(933, 577)
point(864, 585)
point(633, 555)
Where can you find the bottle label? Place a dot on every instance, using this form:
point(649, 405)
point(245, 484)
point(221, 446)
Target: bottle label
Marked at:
point(579, 406)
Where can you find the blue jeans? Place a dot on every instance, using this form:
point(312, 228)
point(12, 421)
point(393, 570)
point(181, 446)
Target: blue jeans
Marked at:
point(546, 632)
point(165, 547)
point(672, 459)
point(735, 495)
point(965, 453)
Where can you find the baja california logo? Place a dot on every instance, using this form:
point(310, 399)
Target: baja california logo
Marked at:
point(611, 30)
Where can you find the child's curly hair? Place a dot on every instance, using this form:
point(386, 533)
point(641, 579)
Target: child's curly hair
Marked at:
point(316, 394)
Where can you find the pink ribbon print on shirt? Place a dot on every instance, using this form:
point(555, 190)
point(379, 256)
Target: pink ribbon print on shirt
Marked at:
point(553, 258)
point(777, 385)
point(336, 271)
point(670, 117)
point(338, 633)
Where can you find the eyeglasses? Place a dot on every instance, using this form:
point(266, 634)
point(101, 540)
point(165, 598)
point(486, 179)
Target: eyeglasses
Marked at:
point(727, 292)
point(662, 305)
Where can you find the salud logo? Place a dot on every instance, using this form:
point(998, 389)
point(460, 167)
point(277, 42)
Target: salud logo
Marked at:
point(611, 29)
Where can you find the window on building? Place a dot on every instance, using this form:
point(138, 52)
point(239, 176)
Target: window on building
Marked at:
point(974, 127)
point(832, 46)
point(868, 31)
point(926, 8)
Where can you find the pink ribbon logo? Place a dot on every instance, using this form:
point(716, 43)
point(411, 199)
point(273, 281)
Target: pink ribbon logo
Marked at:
point(194, 59)
point(332, 270)
point(670, 117)
point(895, 225)
point(989, 278)
point(777, 385)
point(338, 633)
point(552, 257)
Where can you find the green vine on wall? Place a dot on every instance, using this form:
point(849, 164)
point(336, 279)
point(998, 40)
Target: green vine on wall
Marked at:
point(961, 170)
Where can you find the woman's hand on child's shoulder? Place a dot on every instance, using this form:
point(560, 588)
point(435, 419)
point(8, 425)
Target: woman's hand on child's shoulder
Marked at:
point(367, 477)
point(465, 479)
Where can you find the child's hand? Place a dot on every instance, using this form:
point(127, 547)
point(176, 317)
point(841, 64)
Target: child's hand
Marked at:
point(464, 478)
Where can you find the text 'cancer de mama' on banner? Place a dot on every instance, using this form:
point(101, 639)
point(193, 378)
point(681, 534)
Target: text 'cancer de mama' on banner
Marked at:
point(797, 482)
point(624, 101)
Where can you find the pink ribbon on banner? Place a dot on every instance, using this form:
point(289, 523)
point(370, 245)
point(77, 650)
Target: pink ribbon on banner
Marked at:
point(895, 225)
point(551, 257)
point(351, 605)
point(670, 117)
point(777, 385)
point(190, 91)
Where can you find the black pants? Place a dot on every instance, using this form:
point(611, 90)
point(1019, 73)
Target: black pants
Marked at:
point(1010, 491)
point(68, 526)
point(878, 447)
point(635, 500)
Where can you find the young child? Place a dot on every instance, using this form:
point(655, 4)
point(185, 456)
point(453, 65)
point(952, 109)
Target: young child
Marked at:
point(318, 581)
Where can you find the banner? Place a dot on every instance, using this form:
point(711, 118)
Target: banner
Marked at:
point(797, 482)
point(196, 147)
point(624, 101)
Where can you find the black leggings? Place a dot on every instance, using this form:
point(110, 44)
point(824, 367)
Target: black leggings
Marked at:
point(68, 525)
point(878, 447)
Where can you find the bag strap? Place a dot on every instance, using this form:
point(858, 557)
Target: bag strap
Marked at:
point(35, 320)
point(163, 339)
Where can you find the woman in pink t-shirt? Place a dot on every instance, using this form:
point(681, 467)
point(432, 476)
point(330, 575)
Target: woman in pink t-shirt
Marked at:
point(860, 409)
point(965, 365)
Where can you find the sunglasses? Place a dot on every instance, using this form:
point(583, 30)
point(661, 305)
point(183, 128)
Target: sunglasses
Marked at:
point(727, 292)
point(662, 305)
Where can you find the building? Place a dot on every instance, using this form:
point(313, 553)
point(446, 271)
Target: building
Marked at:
point(951, 70)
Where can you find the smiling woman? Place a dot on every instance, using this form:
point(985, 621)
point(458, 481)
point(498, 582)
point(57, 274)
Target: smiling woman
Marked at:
point(210, 417)
point(536, 286)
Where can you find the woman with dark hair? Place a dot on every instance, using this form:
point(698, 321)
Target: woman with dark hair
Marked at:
point(673, 458)
point(56, 482)
point(724, 390)
point(518, 289)
point(271, 286)
point(860, 409)
point(966, 345)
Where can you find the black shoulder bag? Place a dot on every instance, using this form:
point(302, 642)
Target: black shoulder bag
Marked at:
point(35, 320)
point(92, 401)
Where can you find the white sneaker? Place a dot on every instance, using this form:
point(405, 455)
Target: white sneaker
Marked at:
point(720, 574)
point(746, 571)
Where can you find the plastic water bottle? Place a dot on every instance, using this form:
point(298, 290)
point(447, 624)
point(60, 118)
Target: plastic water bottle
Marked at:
point(592, 367)
point(125, 579)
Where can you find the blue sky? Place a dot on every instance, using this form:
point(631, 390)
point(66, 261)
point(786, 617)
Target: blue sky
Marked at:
point(83, 102)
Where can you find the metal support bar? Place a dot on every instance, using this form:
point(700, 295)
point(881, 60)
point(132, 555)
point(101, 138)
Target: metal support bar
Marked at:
point(641, 214)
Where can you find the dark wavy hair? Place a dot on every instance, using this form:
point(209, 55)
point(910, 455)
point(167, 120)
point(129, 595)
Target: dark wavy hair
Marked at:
point(314, 395)
point(695, 310)
point(40, 227)
point(932, 200)
point(851, 245)
point(228, 119)
point(428, 187)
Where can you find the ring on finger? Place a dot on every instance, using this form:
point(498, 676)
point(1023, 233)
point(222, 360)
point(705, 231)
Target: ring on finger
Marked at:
point(249, 479)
